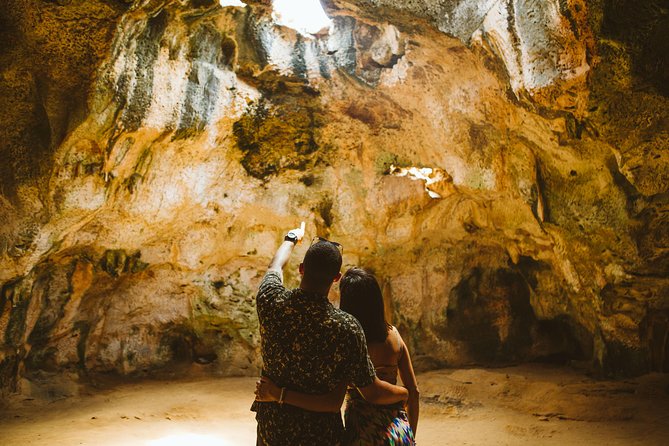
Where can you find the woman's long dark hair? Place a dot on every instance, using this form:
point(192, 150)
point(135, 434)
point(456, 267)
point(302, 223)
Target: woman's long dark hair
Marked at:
point(360, 296)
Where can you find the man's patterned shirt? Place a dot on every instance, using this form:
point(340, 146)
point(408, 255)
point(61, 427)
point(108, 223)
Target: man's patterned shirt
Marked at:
point(308, 346)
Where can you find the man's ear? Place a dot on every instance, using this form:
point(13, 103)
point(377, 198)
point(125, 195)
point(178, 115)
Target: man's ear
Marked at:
point(301, 268)
point(337, 277)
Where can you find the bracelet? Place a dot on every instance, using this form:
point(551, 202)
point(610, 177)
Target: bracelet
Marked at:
point(283, 393)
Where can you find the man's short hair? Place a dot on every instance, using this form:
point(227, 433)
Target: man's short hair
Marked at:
point(322, 263)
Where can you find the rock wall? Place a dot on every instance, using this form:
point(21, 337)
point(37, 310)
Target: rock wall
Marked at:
point(150, 170)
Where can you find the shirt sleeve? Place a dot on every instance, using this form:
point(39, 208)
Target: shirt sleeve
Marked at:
point(270, 289)
point(361, 371)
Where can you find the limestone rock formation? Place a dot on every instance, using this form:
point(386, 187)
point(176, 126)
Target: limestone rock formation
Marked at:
point(501, 166)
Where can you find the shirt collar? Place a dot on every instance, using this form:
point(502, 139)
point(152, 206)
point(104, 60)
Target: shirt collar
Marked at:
point(310, 295)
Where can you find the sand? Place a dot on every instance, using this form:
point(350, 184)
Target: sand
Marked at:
point(527, 405)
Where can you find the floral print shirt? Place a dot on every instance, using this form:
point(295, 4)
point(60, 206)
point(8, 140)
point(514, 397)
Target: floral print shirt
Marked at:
point(309, 346)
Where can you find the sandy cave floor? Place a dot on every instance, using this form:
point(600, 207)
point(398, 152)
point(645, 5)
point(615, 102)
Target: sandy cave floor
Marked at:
point(526, 405)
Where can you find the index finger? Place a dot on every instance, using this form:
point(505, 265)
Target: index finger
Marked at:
point(302, 227)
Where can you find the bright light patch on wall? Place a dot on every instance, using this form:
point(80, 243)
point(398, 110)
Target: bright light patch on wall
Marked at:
point(225, 3)
point(305, 16)
point(189, 439)
point(427, 174)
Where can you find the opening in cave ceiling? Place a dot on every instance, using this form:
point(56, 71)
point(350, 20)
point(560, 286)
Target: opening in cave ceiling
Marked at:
point(427, 174)
point(225, 3)
point(305, 16)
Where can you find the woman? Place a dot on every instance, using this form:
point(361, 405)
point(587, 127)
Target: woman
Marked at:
point(367, 424)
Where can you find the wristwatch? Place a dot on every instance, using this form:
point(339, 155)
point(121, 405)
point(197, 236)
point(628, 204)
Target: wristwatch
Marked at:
point(291, 237)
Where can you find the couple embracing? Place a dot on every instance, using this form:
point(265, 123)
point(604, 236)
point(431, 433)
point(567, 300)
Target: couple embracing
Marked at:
point(314, 355)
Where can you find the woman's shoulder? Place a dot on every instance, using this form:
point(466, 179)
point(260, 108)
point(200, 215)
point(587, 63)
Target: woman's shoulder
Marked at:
point(394, 337)
point(393, 331)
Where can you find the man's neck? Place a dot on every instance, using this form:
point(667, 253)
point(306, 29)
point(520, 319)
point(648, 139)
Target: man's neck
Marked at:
point(306, 286)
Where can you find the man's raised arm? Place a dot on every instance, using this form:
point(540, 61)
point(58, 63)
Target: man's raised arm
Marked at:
point(283, 253)
point(271, 286)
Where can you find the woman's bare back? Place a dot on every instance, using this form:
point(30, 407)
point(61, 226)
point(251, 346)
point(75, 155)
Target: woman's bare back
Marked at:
point(386, 355)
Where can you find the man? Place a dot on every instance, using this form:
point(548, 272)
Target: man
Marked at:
point(311, 347)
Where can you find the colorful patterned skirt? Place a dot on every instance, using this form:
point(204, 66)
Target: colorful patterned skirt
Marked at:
point(371, 425)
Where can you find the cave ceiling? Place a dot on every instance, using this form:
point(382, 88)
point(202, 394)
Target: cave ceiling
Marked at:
point(502, 166)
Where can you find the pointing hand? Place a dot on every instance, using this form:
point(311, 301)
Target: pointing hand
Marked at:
point(299, 232)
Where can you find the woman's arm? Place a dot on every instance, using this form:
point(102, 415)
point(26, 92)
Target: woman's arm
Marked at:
point(409, 380)
point(266, 390)
point(382, 392)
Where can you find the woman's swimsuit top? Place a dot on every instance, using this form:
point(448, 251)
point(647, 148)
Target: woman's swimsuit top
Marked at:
point(387, 373)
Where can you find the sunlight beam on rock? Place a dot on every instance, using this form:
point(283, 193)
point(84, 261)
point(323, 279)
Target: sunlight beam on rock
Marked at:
point(193, 439)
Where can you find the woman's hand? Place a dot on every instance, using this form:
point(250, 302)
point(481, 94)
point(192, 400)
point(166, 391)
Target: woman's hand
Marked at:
point(266, 390)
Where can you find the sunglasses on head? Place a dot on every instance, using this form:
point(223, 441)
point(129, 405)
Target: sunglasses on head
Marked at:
point(321, 239)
